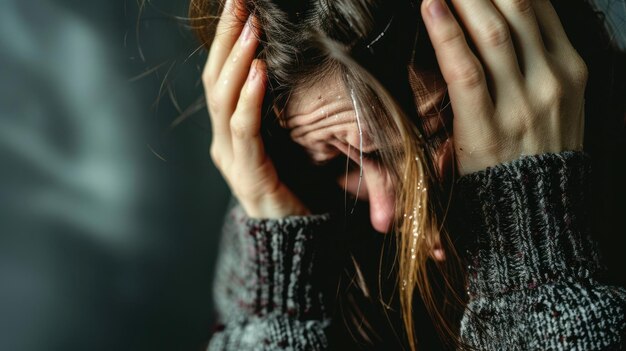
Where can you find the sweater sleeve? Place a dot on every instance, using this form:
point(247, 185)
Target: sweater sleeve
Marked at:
point(268, 288)
point(532, 266)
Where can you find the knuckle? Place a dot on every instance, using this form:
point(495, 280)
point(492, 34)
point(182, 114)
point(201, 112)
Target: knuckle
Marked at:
point(526, 118)
point(468, 75)
point(553, 89)
point(518, 127)
point(451, 38)
point(215, 102)
point(240, 129)
point(207, 78)
point(578, 71)
point(521, 6)
point(495, 33)
point(214, 152)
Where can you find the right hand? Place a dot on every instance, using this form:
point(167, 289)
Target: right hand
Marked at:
point(235, 84)
point(521, 93)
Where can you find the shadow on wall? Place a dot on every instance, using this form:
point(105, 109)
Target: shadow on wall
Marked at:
point(109, 215)
point(615, 19)
point(108, 218)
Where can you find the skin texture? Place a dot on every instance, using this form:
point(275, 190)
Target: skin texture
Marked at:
point(520, 93)
point(323, 121)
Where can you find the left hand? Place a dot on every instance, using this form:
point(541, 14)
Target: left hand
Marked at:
point(523, 91)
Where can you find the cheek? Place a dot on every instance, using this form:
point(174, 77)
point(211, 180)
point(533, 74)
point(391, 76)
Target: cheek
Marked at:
point(349, 181)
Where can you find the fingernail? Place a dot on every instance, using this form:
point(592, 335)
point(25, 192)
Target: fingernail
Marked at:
point(437, 9)
point(228, 5)
point(247, 29)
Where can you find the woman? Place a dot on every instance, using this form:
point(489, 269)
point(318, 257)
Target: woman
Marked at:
point(366, 83)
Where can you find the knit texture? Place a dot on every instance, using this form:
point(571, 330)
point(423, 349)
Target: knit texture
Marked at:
point(531, 268)
point(531, 262)
point(267, 288)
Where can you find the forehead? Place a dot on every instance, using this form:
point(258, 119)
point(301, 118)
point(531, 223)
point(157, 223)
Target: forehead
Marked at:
point(322, 119)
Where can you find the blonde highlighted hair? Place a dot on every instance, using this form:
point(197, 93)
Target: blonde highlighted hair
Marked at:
point(304, 42)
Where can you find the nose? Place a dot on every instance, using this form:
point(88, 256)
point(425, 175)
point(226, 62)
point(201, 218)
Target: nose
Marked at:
point(380, 195)
point(377, 188)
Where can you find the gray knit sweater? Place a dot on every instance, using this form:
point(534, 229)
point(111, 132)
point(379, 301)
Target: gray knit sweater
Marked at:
point(531, 275)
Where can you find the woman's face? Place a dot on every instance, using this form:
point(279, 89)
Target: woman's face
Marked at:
point(323, 121)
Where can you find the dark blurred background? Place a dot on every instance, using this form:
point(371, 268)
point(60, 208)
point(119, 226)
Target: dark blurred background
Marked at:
point(109, 205)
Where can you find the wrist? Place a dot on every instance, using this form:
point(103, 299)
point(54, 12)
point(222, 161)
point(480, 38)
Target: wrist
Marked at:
point(525, 223)
point(287, 262)
point(275, 206)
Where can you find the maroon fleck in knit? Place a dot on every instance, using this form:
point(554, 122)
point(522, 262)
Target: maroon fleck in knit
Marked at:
point(531, 277)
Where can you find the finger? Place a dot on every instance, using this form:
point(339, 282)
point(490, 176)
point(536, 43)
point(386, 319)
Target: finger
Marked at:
point(524, 28)
point(235, 69)
point(228, 29)
point(554, 36)
point(246, 121)
point(225, 93)
point(460, 68)
point(491, 35)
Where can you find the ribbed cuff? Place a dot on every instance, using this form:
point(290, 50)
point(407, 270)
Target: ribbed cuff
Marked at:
point(273, 333)
point(285, 261)
point(526, 224)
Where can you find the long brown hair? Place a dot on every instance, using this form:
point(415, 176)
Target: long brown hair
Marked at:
point(381, 52)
